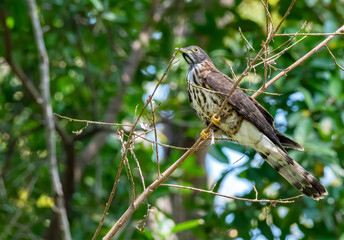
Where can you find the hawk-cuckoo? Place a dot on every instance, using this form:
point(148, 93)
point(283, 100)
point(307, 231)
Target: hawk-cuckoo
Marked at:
point(243, 120)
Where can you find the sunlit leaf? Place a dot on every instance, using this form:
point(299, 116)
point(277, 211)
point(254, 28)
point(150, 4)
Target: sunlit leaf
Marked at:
point(187, 225)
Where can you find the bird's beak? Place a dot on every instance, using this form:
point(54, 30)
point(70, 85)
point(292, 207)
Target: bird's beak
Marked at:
point(187, 55)
point(183, 50)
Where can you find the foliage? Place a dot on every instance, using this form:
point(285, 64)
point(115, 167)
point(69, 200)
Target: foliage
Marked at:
point(91, 45)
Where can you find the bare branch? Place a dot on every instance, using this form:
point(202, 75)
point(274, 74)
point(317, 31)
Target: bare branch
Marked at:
point(298, 62)
point(287, 200)
point(49, 120)
point(284, 17)
point(108, 204)
point(149, 190)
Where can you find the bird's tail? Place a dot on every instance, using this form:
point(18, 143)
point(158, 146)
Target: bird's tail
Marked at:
point(295, 174)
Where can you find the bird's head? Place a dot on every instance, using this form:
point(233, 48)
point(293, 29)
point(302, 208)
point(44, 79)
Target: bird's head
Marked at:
point(194, 55)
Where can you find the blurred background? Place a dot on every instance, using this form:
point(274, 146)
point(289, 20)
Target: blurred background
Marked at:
point(106, 56)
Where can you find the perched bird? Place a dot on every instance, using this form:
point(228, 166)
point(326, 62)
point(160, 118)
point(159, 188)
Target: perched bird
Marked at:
point(243, 120)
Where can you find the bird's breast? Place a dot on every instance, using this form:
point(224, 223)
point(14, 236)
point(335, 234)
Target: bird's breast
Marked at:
point(207, 102)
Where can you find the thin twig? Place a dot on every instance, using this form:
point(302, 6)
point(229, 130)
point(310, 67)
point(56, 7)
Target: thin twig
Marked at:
point(49, 120)
point(120, 134)
point(138, 166)
point(156, 137)
point(298, 62)
point(131, 209)
point(334, 58)
point(268, 18)
point(218, 92)
point(78, 132)
point(93, 122)
point(162, 144)
point(213, 187)
point(232, 71)
point(308, 34)
point(247, 46)
point(287, 200)
point(284, 17)
point(273, 58)
point(266, 53)
point(110, 198)
point(290, 39)
point(255, 190)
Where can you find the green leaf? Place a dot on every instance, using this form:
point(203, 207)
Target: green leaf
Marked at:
point(335, 87)
point(97, 5)
point(109, 16)
point(187, 225)
point(10, 22)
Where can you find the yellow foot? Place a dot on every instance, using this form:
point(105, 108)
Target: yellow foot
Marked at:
point(215, 119)
point(205, 135)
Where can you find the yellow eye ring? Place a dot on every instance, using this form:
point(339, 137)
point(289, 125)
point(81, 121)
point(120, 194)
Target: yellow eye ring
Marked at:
point(195, 50)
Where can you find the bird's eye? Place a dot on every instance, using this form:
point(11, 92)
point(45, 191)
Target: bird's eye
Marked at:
point(195, 50)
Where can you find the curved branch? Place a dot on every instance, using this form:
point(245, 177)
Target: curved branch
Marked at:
point(49, 119)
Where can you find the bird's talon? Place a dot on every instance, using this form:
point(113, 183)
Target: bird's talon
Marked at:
point(205, 135)
point(215, 119)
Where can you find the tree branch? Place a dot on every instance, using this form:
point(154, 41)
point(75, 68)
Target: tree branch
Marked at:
point(298, 62)
point(49, 119)
point(149, 190)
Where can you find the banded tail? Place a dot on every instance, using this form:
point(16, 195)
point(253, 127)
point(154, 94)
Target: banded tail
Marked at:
point(295, 174)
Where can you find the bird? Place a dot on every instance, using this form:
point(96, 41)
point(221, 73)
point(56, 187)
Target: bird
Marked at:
point(243, 120)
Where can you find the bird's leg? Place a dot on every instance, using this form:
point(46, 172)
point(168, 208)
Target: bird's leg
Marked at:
point(205, 134)
point(215, 119)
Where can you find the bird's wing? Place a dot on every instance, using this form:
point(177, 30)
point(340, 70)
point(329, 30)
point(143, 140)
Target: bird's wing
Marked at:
point(285, 141)
point(246, 106)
